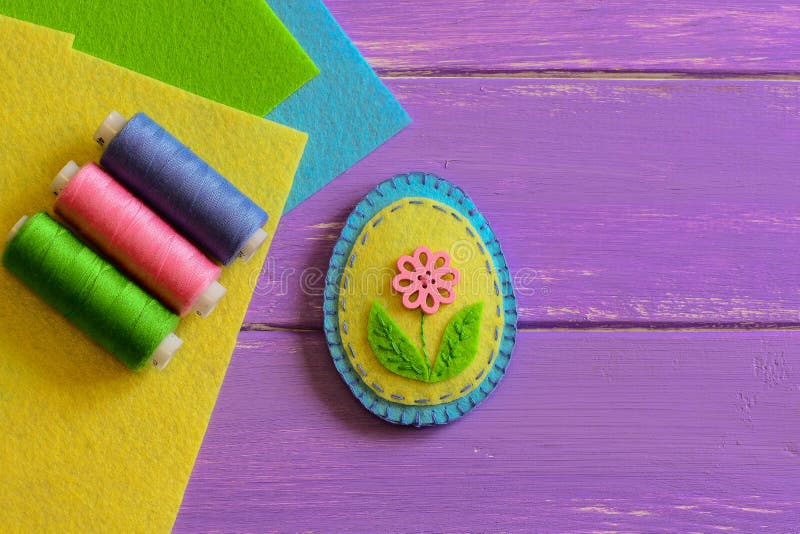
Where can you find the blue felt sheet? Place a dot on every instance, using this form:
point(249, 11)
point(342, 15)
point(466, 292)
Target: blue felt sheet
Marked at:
point(346, 110)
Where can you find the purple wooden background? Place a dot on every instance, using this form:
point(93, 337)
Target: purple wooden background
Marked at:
point(652, 229)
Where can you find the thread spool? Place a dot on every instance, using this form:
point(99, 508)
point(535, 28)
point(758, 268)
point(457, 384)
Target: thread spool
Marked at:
point(185, 190)
point(144, 246)
point(112, 310)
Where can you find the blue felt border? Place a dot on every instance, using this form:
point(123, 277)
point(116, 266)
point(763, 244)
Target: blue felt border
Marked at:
point(386, 193)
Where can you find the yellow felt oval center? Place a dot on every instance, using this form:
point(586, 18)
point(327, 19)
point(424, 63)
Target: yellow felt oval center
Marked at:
point(395, 231)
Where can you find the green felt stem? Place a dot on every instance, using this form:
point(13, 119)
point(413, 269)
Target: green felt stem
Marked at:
point(422, 335)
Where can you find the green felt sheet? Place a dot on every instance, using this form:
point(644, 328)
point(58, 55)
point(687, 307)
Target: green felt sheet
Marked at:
point(236, 52)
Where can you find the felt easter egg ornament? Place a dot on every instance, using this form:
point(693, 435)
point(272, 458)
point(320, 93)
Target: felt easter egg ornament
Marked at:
point(420, 313)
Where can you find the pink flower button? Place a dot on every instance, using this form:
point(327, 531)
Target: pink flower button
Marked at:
point(426, 280)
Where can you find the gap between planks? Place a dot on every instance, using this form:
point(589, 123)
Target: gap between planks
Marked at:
point(558, 326)
point(608, 326)
point(583, 75)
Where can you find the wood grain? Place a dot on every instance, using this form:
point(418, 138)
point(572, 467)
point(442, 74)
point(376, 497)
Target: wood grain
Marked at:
point(618, 203)
point(519, 37)
point(618, 431)
point(661, 213)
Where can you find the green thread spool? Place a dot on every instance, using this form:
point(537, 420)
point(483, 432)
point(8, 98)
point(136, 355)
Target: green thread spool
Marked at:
point(112, 310)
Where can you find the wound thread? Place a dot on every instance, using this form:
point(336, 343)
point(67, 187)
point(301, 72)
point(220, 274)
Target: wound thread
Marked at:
point(111, 309)
point(129, 233)
point(185, 190)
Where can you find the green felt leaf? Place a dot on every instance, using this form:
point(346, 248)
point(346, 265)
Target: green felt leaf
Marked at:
point(392, 347)
point(236, 52)
point(459, 343)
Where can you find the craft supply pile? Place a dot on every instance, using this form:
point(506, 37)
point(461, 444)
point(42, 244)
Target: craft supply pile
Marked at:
point(267, 103)
point(140, 241)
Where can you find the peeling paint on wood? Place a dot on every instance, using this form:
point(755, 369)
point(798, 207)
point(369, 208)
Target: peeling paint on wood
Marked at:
point(512, 37)
point(650, 203)
point(630, 431)
point(661, 207)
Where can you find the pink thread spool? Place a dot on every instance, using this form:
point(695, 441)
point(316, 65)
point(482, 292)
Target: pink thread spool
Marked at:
point(139, 241)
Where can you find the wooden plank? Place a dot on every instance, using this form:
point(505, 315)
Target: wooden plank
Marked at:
point(622, 431)
point(618, 203)
point(446, 37)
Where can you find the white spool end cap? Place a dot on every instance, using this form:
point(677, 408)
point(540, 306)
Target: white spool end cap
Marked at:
point(14, 229)
point(110, 127)
point(63, 177)
point(209, 298)
point(252, 244)
point(165, 351)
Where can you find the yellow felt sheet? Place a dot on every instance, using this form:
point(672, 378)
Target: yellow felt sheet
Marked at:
point(85, 444)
